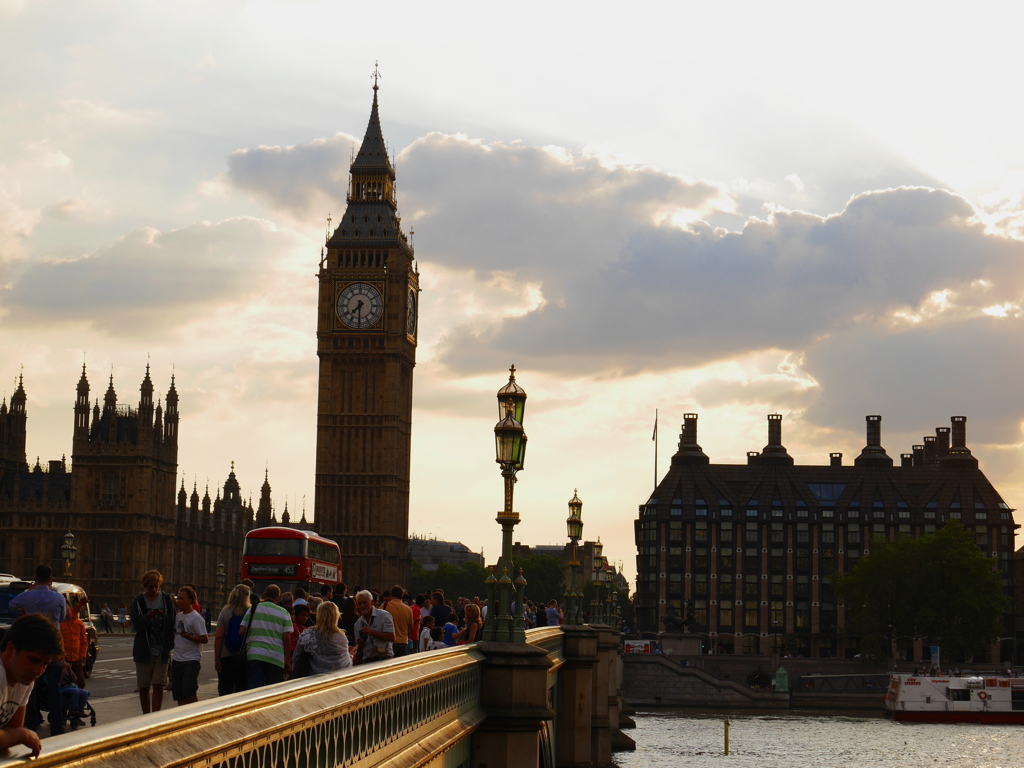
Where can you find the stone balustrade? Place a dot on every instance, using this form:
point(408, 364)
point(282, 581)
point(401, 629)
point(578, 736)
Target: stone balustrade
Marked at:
point(554, 701)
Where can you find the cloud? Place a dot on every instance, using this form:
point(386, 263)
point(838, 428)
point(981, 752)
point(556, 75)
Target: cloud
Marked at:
point(304, 181)
point(16, 226)
point(150, 281)
point(676, 297)
point(65, 210)
point(921, 375)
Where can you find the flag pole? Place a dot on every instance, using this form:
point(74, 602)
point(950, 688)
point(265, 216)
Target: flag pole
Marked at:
point(655, 439)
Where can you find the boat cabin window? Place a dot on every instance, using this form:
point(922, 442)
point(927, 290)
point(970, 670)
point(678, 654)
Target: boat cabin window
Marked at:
point(958, 694)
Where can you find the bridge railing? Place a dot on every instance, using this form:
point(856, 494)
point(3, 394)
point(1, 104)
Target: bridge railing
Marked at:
point(402, 712)
point(518, 705)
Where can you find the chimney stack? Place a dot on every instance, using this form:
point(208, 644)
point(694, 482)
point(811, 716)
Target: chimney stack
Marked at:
point(906, 459)
point(930, 452)
point(689, 451)
point(959, 454)
point(835, 459)
point(774, 452)
point(918, 455)
point(959, 431)
point(941, 441)
point(873, 454)
point(689, 436)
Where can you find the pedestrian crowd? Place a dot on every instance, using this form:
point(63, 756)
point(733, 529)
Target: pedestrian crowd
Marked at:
point(259, 640)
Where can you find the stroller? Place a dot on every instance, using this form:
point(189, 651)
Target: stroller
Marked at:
point(74, 717)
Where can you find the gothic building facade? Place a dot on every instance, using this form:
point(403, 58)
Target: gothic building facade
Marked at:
point(366, 342)
point(744, 552)
point(118, 499)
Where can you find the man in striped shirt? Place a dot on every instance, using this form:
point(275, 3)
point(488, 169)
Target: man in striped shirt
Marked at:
point(267, 632)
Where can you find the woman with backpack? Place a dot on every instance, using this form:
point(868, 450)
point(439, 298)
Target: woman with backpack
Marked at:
point(232, 674)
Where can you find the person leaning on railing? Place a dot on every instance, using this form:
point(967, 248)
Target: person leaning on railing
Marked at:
point(28, 648)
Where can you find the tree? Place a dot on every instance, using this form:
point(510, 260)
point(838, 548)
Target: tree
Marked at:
point(466, 580)
point(939, 587)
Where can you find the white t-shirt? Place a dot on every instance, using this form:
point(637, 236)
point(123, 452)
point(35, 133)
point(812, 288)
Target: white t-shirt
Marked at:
point(424, 638)
point(188, 624)
point(12, 697)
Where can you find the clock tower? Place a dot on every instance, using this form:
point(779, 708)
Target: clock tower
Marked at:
point(366, 342)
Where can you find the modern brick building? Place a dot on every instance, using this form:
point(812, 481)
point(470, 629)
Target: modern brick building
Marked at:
point(744, 551)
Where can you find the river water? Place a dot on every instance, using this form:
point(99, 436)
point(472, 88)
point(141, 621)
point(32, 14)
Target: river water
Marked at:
point(674, 739)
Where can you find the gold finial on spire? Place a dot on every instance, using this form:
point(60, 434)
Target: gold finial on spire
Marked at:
point(328, 227)
point(376, 74)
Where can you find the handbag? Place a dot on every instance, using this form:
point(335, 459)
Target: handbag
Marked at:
point(241, 655)
point(301, 666)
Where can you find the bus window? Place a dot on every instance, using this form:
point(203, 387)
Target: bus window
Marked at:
point(275, 547)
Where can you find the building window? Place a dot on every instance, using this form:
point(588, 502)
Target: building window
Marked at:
point(803, 587)
point(828, 533)
point(778, 534)
point(828, 563)
point(803, 559)
point(700, 534)
point(700, 585)
point(751, 617)
point(700, 611)
point(778, 585)
point(803, 616)
point(751, 588)
point(752, 537)
point(700, 557)
point(777, 615)
point(725, 587)
point(725, 615)
point(726, 559)
point(725, 533)
point(828, 617)
point(803, 535)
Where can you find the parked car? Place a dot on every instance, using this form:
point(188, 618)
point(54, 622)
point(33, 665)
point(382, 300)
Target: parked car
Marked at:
point(73, 594)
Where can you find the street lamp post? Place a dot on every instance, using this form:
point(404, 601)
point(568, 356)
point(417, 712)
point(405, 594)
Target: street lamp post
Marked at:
point(607, 584)
point(574, 527)
point(222, 577)
point(595, 604)
point(510, 446)
point(68, 551)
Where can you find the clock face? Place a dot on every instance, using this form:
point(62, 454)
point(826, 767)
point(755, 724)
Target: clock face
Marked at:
point(410, 319)
point(360, 305)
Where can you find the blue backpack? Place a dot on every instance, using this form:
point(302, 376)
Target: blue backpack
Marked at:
point(233, 639)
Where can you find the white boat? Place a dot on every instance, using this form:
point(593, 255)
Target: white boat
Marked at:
point(950, 699)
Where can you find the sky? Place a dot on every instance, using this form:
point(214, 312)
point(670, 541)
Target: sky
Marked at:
point(727, 209)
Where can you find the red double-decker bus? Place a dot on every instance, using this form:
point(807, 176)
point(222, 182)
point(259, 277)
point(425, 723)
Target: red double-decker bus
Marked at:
point(290, 559)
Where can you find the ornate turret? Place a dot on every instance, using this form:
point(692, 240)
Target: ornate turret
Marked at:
point(171, 416)
point(264, 509)
point(146, 403)
point(13, 430)
point(82, 411)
